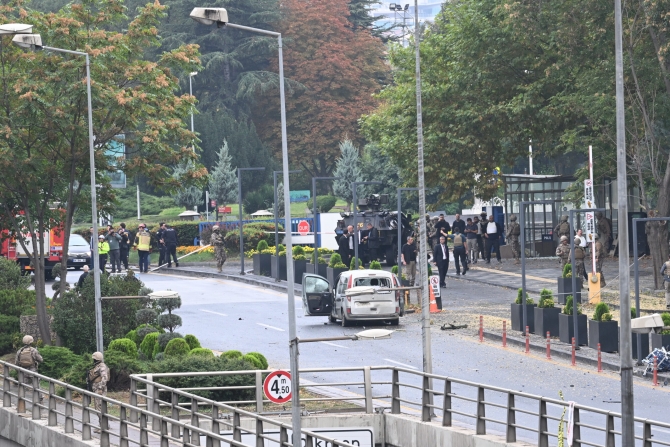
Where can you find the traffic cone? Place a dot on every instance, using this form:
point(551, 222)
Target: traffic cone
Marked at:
point(433, 302)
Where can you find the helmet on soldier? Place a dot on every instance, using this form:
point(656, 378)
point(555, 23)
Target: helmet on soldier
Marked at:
point(599, 214)
point(564, 238)
point(97, 356)
point(595, 235)
point(564, 218)
point(215, 227)
point(28, 339)
point(512, 218)
point(578, 241)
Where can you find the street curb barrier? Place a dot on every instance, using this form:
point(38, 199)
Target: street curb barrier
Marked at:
point(280, 287)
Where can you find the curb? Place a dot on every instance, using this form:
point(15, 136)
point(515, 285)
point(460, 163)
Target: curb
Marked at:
point(243, 279)
point(568, 356)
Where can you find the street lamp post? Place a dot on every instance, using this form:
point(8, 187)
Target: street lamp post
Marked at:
point(400, 190)
point(637, 277)
point(522, 218)
point(276, 215)
point(34, 42)
point(239, 200)
point(315, 217)
point(219, 17)
point(190, 91)
point(353, 190)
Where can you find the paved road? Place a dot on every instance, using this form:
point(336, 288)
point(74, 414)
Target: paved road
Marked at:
point(229, 315)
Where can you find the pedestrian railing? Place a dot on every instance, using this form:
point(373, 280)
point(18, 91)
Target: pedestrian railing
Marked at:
point(137, 426)
point(431, 397)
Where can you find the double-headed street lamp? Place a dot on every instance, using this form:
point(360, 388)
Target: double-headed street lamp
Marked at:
point(219, 17)
point(34, 42)
point(239, 200)
point(354, 185)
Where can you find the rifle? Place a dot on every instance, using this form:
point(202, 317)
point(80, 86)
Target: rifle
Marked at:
point(89, 381)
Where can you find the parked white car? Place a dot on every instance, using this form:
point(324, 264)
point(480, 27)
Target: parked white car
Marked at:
point(359, 295)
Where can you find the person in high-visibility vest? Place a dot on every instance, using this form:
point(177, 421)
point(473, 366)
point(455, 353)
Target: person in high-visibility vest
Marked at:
point(143, 245)
point(103, 250)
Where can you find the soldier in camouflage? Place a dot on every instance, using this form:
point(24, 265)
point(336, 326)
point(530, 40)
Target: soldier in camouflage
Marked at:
point(219, 247)
point(563, 251)
point(96, 379)
point(28, 358)
point(665, 271)
point(600, 258)
point(513, 232)
point(604, 231)
point(580, 254)
point(563, 228)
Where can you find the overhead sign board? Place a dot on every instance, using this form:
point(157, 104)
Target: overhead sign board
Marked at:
point(277, 387)
point(356, 436)
point(589, 199)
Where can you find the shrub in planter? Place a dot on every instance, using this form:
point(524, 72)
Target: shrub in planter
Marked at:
point(261, 357)
point(566, 325)
point(662, 339)
point(299, 267)
point(262, 259)
point(565, 285)
point(546, 315)
point(262, 245)
point(57, 361)
point(124, 345)
point(603, 330)
point(148, 345)
point(202, 352)
point(352, 264)
point(333, 273)
point(394, 269)
point(335, 259)
point(517, 313)
point(298, 250)
point(375, 265)
point(192, 341)
point(278, 266)
point(176, 347)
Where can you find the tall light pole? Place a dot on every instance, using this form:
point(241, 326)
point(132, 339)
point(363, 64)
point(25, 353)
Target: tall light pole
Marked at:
point(190, 92)
point(276, 216)
point(353, 193)
point(626, 354)
point(400, 190)
point(239, 200)
point(314, 215)
point(423, 243)
point(219, 16)
point(34, 42)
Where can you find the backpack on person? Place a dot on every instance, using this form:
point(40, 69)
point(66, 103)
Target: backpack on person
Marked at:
point(564, 228)
point(26, 358)
point(516, 230)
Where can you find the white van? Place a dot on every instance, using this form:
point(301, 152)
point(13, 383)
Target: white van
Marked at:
point(359, 295)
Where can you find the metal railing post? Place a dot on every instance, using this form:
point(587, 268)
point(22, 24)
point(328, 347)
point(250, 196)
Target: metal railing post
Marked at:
point(37, 411)
point(144, 434)
point(133, 399)
point(609, 431)
point(309, 442)
point(283, 437)
point(215, 427)
point(176, 433)
point(511, 419)
point(6, 397)
point(646, 435)
point(576, 429)
point(425, 400)
point(123, 427)
point(367, 380)
point(481, 412)
point(104, 424)
point(260, 441)
point(259, 392)
point(150, 399)
point(195, 421)
point(446, 406)
point(85, 417)
point(52, 415)
point(21, 392)
point(69, 421)
point(542, 427)
point(395, 392)
point(165, 438)
point(237, 433)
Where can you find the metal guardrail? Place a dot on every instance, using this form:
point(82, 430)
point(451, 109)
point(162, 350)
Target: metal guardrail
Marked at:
point(445, 399)
point(133, 422)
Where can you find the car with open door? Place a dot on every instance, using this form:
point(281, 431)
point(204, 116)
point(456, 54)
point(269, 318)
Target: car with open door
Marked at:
point(317, 296)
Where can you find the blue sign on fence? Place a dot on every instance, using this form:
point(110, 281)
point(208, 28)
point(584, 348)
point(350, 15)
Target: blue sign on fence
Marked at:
point(300, 196)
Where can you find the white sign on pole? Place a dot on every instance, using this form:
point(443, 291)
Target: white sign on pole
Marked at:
point(589, 200)
point(435, 285)
point(590, 227)
point(357, 436)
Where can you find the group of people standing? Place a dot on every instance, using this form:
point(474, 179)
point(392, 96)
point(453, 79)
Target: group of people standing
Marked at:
point(368, 243)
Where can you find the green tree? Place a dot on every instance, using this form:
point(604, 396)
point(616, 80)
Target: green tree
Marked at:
point(223, 179)
point(347, 170)
point(186, 196)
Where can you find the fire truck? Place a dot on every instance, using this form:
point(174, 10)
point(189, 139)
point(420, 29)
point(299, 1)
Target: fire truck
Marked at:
point(12, 249)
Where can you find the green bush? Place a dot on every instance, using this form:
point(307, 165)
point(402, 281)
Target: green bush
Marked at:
point(16, 302)
point(252, 359)
point(169, 322)
point(299, 258)
point(176, 347)
point(261, 357)
point(262, 245)
point(430, 270)
point(352, 264)
point(375, 265)
point(202, 352)
point(192, 341)
point(11, 277)
point(132, 335)
point(666, 318)
point(145, 316)
point(546, 299)
point(164, 339)
point(600, 310)
point(568, 308)
point(9, 324)
point(253, 234)
point(76, 375)
point(120, 365)
point(124, 345)
point(148, 344)
point(298, 250)
point(335, 258)
point(567, 271)
point(57, 361)
point(394, 269)
point(142, 332)
point(325, 203)
point(519, 294)
point(232, 354)
point(633, 312)
point(199, 363)
point(339, 265)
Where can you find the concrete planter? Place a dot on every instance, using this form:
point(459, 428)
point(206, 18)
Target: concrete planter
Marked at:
point(299, 269)
point(645, 345)
point(566, 329)
point(658, 341)
point(319, 270)
point(606, 333)
point(546, 320)
point(333, 274)
point(517, 317)
point(565, 289)
point(262, 264)
point(278, 268)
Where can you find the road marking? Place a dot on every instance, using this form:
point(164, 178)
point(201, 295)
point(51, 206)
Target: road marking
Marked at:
point(212, 312)
point(271, 327)
point(401, 364)
point(334, 344)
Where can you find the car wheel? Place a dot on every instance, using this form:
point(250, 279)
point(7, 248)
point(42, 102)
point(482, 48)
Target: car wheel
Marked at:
point(345, 322)
point(332, 319)
point(395, 321)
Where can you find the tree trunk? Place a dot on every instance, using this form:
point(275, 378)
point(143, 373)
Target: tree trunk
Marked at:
point(40, 287)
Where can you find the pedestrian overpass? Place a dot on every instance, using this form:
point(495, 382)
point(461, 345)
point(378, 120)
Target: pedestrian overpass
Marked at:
point(382, 406)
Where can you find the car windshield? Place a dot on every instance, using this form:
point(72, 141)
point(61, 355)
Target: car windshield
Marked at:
point(373, 282)
point(77, 241)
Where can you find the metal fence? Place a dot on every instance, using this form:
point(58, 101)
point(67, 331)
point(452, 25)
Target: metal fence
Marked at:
point(515, 415)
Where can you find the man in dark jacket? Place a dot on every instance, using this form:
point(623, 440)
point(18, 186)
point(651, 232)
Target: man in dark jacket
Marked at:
point(161, 243)
point(170, 240)
point(343, 247)
point(460, 223)
point(441, 259)
point(492, 239)
point(127, 239)
point(442, 228)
